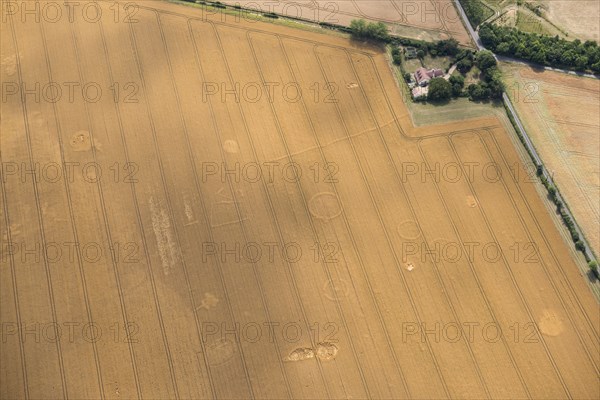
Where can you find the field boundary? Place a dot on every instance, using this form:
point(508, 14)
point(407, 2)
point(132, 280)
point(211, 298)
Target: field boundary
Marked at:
point(565, 212)
point(272, 17)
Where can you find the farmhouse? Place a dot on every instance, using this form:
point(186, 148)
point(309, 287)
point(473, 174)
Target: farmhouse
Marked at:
point(423, 76)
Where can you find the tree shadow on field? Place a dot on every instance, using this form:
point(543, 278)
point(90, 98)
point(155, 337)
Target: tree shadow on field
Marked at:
point(591, 276)
point(439, 103)
point(368, 44)
point(485, 101)
point(538, 69)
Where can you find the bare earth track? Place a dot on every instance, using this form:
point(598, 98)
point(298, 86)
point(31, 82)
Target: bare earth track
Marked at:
point(303, 241)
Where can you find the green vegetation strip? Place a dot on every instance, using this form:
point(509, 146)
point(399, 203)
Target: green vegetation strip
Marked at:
point(545, 50)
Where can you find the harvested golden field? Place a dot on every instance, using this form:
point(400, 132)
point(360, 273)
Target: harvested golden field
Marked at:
point(560, 113)
point(579, 18)
point(426, 20)
point(569, 19)
point(194, 207)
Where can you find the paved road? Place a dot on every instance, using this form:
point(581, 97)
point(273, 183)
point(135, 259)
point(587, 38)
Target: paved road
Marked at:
point(472, 31)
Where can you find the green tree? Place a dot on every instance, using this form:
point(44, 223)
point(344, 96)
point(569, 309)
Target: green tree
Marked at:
point(479, 91)
point(447, 47)
point(458, 83)
point(378, 31)
point(503, 48)
point(485, 59)
point(456, 89)
point(538, 57)
point(494, 82)
point(464, 65)
point(581, 62)
point(369, 30)
point(439, 89)
point(476, 11)
point(541, 49)
point(358, 28)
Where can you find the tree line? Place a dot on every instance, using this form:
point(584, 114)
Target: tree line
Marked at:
point(476, 11)
point(545, 50)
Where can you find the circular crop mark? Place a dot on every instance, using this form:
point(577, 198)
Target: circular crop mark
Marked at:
point(326, 351)
point(80, 141)
point(231, 146)
point(325, 206)
point(220, 352)
point(336, 290)
point(409, 230)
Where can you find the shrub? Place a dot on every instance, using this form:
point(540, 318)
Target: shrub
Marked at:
point(574, 234)
point(593, 266)
point(559, 205)
point(396, 56)
point(456, 90)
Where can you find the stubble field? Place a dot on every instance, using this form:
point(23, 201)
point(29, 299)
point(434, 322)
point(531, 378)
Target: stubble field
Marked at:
point(579, 18)
point(426, 20)
point(560, 113)
point(235, 209)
